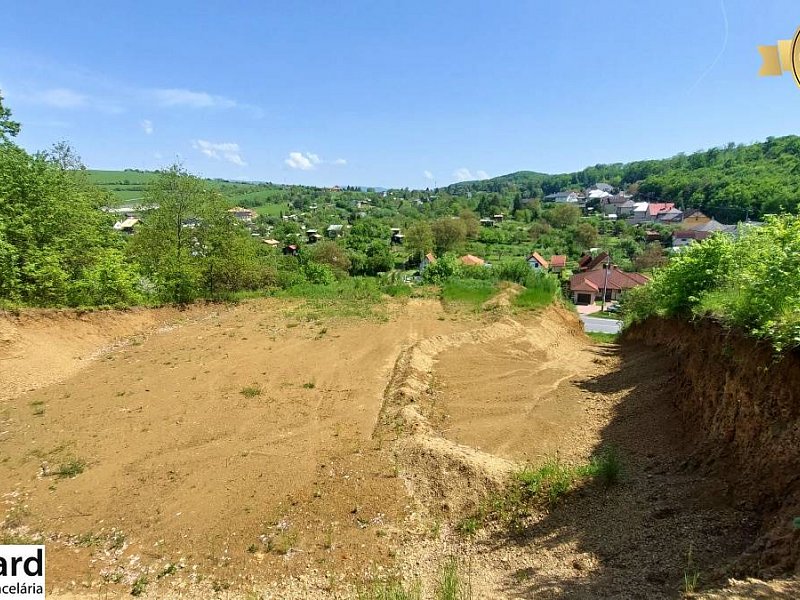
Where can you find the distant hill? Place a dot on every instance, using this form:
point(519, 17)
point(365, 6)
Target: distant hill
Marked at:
point(128, 187)
point(733, 181)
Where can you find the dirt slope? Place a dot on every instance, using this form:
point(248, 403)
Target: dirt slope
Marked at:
point(243, 452)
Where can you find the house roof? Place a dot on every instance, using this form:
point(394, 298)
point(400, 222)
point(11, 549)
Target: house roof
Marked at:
point(560, 195)
point(595, 262)
point(628, 204)
point(430, 257)
point(617, 280)
point(128, 223)
point(655, 208)
point(472, 261)
point(691, 234)
point(695, 213)
point(558, 260)
point(641, 206)
point(272, 242)
point(539, 259)
point(598, 194)
point(335, 227)
point(713, 225)
point(583, 285)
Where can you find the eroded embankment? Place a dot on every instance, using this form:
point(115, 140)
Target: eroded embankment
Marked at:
point(741, 407)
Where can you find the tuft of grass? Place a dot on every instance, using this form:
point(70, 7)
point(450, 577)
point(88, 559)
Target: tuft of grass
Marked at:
point(139, 586)
point(450, 586)
point(606, 467)
point(390, 590)
point(471, 293)
point(469, 525)
point(70, 469)
point(540, 290)
point(602, 338)
point(691, 574)
point(251, 391)
point(309, 385)
point(38, 408)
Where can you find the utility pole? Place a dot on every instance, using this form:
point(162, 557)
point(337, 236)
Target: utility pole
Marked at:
point(605, 283)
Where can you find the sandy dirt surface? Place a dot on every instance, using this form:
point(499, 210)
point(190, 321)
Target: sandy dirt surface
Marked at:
point(242, 452)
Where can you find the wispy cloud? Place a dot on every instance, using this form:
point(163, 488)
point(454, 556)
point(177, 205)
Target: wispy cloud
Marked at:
point(189, 98)
point(428, 174)
point(147, 126)
point(464, 174)
point(228, 151)
point(308, 161)
point(60, 98)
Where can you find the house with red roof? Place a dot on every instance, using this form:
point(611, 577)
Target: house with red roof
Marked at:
point(537, 262)
point(587, 287)
point(558, 263)
point(470, 260)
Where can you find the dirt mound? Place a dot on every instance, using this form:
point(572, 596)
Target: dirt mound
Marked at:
point(741, 408)
point(41, 347)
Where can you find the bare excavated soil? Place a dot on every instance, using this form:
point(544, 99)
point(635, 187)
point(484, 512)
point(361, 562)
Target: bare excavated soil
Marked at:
point(243, 452)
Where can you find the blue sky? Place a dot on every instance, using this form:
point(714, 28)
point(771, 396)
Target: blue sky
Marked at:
point(392, 93)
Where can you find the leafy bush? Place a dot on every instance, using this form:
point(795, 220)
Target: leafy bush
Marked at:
point(444, 268)
point(467, 291)
point(749, 282)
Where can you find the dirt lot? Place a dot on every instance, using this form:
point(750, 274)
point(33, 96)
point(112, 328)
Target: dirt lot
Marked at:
point(243, 452)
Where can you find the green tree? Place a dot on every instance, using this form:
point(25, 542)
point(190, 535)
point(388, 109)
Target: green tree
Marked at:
point(563, 215)
point(8, 128)
point(419, 239)
point(448, 234)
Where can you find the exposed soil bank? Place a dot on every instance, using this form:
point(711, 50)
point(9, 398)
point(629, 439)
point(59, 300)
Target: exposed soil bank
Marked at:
point(741, 409)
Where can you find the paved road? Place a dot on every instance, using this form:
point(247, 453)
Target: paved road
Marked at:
point(598, 325)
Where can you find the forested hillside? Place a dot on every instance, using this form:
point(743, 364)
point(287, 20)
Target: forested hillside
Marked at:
point(732, 182)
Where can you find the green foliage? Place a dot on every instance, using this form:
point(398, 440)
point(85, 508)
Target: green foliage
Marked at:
point(540, 290)
point(56, 247)
point(450, 585)
point(749, 282)
point(448, 234)
point(390, 590)
point(445, 267)
point(472, 292)
point(8, 128)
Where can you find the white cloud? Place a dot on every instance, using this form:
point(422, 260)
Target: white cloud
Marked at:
point(61, 98)
point(308, 161)
point(147, 126)
point(464, 174)
point(427, 174)
point(181, 97)
point(228, 151)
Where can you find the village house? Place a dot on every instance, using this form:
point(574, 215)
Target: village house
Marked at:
point(587, 287)
point(562, 197)
point(498, 218)
point(695, 217)
point(242, 214)
point(290, 250)
point(313, 236)
point(397, 237)
point(334, 231)
point(472, 261)
point(272, 243)
point(127, 225)
point(537, 262)
point(558, 263)
point(428, 259)
point(486, 222)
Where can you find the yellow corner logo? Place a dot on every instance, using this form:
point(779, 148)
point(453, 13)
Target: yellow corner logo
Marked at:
point(781, 58)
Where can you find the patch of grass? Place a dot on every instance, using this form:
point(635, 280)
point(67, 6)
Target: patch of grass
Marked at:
point(606, 467)
point(38, 407)
point(467, 292)
point(545, 485)
point(540, 291)
point(139, 586)
point(603, 338)
point(70, 469)
point(353, 297)
point(18, 539)
point(251, 391)
point(390, 590)
point(169, 569)
point(450, 585)
point(691, 574)
point(309, 385)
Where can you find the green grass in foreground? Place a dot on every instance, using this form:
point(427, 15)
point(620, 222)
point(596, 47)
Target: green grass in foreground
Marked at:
point(603, 338)
point(543, 486)
point(468, 292)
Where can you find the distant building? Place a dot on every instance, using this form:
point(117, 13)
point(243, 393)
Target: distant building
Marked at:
point(472, 261)
point(397, 237)
point(587, 287)
point(126, 225)
point(313, 236)
point(243, 214)
point(428, 259)
point(562, 197)
point(334, 231)
point(537, 262)
point(558, 263)
point(486, 222)
point(290, 250)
